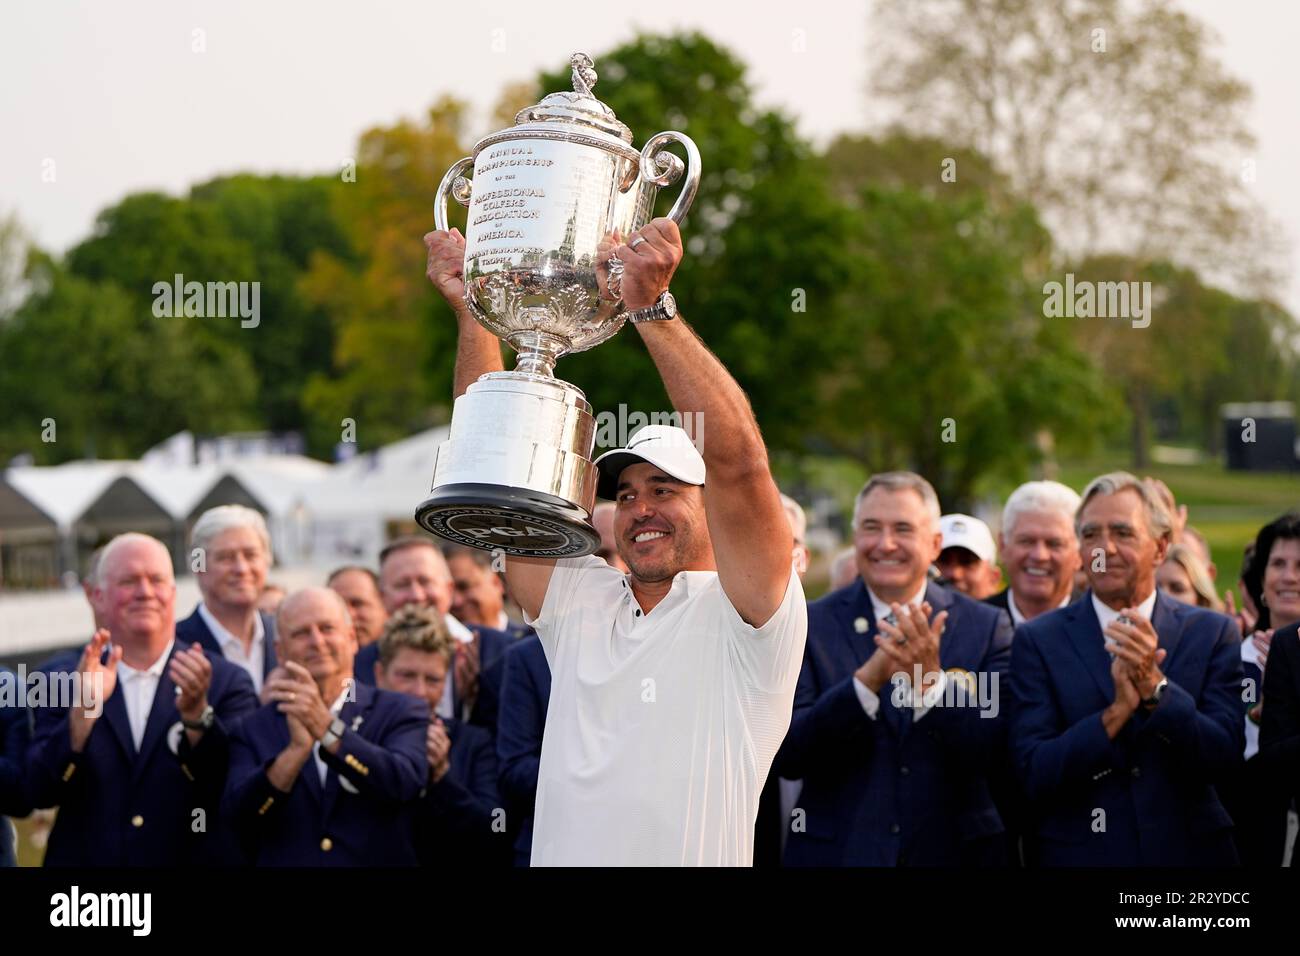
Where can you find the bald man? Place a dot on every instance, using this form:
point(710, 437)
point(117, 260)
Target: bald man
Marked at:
point(328, 771)
point(135, 757)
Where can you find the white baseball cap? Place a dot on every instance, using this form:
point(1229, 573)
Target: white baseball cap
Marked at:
point(665, 446)
point(963, 531)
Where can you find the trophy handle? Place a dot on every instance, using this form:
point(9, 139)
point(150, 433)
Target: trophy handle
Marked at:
point(456, 184)
point(664, 169)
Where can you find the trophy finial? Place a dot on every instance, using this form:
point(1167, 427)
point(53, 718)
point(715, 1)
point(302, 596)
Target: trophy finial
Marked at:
point(584, 73)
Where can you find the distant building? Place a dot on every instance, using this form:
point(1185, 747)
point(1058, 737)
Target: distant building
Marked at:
point(1260, 436)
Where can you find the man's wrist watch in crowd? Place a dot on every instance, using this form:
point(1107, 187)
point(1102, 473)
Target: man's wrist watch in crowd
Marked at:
point(664, 308)
point(204, 722)
point(334, 732)
point(1156, 694)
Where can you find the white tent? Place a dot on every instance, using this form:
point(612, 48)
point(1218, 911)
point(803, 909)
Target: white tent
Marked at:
point(284, 487)
point(368, 498)
point(64, 492)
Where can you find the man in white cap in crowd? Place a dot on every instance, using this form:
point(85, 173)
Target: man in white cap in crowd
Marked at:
point(968, 560)
point(672, 685)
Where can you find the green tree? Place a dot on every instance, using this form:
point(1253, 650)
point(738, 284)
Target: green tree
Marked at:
point(1114, 117)
point(1202, 348)
point(113, 378)
point(237, 229)
point(1118, 121)
point(953, 370)
point(394, 339)
point(766, 243)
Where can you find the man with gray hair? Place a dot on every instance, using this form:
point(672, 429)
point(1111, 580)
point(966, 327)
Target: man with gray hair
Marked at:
point(230, 554)
point(1126, 704)
point(136, 765)
point(899, 776)
point(1039, 550)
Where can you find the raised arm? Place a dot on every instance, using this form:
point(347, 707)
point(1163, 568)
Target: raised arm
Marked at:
point(478, 352)
point(752, 542)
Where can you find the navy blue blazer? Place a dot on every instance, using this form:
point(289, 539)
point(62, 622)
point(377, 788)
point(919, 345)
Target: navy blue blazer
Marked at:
point(888, 792)
point(15, 735)
point(1279, 739)
point(365, 813)
point(118, 807)
point(1147, 797)
point(517, 631)
point(461, 825)
point(492, 645)
point(525, 694)
point(194, 628)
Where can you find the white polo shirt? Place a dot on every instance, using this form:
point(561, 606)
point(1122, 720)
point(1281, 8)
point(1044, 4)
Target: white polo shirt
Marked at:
point(662, 727)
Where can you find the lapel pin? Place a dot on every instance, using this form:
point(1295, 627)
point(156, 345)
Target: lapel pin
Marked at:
point(356, 722)
point(860, 625)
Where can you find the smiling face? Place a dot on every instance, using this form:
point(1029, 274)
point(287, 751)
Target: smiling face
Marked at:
point(1119, 553)
point(136, 594)
point(415, 575)
point(315, 630)
point(969, 573)
point(1282, 582)
point(1042, 555)
point(895, 540)
point(660, 525)
point(235, 564)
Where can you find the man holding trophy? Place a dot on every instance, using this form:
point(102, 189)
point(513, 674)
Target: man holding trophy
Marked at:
point(672, 686)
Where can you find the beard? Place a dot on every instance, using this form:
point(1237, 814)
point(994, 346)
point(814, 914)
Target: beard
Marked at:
point(666, 562)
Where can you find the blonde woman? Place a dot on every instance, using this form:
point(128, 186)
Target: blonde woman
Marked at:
point(1183, 576)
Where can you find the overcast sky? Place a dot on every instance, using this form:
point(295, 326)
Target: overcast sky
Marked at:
point(114, 94)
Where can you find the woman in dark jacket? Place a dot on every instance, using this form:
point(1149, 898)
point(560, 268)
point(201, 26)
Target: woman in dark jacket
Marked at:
point(1273, 581)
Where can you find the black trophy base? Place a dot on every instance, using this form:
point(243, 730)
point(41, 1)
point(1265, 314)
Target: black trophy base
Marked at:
point(527, 524)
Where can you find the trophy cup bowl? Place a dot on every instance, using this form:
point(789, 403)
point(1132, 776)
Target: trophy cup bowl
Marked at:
point(550, 199)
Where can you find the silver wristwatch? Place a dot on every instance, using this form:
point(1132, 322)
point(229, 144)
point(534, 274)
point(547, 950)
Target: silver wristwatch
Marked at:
point(335, 731)
point(664, 308)
point(1157, 693)
point(204, 721)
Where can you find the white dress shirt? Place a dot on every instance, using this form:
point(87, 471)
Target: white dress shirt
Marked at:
point(232, 648)
point(447, 705)
point(1018, 616)
point(138, 689)
point(335, 709)
point(1250, 655)
point(868, 698)
point(1106, 616)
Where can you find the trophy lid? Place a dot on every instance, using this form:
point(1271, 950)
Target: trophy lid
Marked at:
point(578, 108)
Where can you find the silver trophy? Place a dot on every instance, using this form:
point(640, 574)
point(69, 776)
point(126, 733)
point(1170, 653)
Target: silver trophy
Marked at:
point(551, 198)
